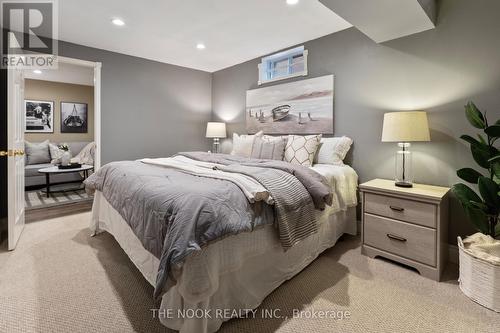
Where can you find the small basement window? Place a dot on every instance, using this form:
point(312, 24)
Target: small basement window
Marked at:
point(283, 65)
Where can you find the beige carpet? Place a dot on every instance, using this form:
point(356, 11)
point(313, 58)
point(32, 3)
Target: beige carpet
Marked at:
point(61, 280)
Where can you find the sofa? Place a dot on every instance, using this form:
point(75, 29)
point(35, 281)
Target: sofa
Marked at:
point(33, 178)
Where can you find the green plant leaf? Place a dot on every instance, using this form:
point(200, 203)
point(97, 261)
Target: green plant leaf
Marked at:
point(493, 131)
point(494, 158)
point(469, 139)
point(482, 139)
point(479, 205)
point(465, 194)
point(467, 198)
point(469, 175)
point(474, 116)
point(481, 155)
point(478, 218)
point(489, 191)
point(495, 168)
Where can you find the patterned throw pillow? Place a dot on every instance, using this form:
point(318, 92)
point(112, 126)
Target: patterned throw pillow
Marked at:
point(86, 155)
point(301, 149)
point(55, 153)
point(242, 144)
point(269, 147)
point(333, 150)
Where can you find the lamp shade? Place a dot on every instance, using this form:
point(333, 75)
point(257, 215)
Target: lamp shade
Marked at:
point(406, 126)
point(216, 130)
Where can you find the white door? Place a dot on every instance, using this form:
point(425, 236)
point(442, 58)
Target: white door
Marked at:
point(15, 144)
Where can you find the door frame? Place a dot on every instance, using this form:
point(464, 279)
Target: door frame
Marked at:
point(96, 66)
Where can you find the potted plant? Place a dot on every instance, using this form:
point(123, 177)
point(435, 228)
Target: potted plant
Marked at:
point(479, 279)
point(66, 155)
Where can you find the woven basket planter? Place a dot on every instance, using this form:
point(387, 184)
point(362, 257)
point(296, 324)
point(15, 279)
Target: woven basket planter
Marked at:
point(479, 280)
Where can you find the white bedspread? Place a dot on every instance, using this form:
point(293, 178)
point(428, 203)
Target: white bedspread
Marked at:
point(344, 182)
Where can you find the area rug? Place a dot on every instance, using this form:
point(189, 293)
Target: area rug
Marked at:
point(38, 199)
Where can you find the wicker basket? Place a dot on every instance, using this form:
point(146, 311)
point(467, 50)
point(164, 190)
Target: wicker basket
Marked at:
point(479, 280)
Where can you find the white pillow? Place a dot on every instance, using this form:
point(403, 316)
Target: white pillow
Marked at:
point(55, 153)
point(269, 147)
point(242, 144)
point(86, 155)
point(333, 150)
point(302, 149)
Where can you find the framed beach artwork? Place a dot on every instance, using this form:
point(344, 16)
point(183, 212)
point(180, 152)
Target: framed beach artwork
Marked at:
point(74, 117)
point(39, 116)
point(300, 107)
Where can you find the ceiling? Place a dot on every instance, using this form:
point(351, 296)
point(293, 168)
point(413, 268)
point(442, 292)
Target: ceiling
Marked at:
point(233, 31)
point(67, 73)
point(384, 20)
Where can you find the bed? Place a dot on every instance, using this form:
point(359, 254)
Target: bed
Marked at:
point(235, 273)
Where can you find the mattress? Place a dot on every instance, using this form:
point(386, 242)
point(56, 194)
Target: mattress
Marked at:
point(237, 272)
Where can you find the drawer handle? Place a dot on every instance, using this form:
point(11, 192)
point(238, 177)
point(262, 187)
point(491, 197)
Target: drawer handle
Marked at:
point(400, 239)
point(397, 209)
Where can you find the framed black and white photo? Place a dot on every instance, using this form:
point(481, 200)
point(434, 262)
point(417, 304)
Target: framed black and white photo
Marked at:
point(74, 117)
point(39, 116)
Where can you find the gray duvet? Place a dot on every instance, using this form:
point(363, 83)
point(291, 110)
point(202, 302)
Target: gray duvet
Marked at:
point(173, 213)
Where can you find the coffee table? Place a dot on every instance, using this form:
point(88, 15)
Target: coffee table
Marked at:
point(55, 170)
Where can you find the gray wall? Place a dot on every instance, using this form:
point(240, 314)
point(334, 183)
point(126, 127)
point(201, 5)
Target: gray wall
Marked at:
point(436, 71)
point(148, 108)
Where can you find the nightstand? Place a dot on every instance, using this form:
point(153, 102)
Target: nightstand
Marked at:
point(407, 225)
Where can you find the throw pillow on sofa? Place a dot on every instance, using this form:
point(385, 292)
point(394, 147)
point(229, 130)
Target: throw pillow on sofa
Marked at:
point(37, 152)
point(55, 153)
point(86, 155)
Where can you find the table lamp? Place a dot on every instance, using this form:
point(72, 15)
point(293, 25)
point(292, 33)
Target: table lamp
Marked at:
point(405, 127)
point(216, 131)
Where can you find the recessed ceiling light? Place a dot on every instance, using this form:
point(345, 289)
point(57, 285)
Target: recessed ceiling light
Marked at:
point(200, 46)
point(118, 22)
point(37, 71)
point(292, 2)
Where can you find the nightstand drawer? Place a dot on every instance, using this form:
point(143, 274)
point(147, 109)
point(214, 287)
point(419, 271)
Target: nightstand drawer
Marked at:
point(401, 209)
point(400, 238)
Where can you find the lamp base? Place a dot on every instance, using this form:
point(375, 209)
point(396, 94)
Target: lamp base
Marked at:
point(216, 146)
point(404, 184)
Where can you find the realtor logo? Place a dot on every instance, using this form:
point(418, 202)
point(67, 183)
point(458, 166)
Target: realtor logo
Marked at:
point(29, 34)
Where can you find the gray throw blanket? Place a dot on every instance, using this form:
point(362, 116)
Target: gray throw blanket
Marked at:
point(316, 184)
point(294, 209)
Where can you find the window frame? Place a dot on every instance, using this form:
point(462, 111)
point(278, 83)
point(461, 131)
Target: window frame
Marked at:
point(265, 66)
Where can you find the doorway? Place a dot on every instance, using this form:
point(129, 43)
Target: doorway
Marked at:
point(53, 117)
